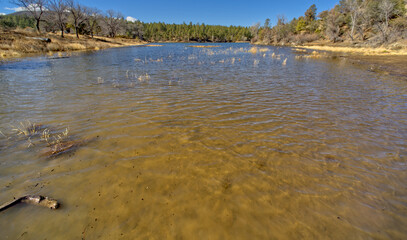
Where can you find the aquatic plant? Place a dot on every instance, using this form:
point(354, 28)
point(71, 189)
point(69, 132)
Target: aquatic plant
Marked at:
point(210, 52)
point(58, 143)
point(26, 129)
point(256, 62)
point(154, 45)
point(52, 139)
point(313, 55)
point(239, 50)
point(156, 60)
point(253, 50)
point(299, 50)
point(192, 57)
point(52, 142)
point(145, 77)
point(2, 134)
point(203, 46)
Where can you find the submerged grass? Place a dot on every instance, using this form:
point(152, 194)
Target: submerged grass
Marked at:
point(313, 55)
point(51, 142)
point(154, 45)
point(203, 46)
point(253, 50)
point(26, 129)
point(359, 51)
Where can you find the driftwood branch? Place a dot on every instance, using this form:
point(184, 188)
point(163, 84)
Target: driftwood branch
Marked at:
point(34, 200)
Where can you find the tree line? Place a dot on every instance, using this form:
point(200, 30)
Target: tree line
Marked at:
point(369, 21)
point(195, 32)
point(71, 16)
point(68, 16)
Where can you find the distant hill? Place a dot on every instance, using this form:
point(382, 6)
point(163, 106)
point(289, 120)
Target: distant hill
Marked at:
point(28, 14)
point(21, 13)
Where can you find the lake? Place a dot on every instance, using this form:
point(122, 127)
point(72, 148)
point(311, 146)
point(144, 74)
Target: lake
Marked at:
point(204, 143)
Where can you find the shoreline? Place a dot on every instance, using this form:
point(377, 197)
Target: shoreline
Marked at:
point(389, 60)
point(381, 60)
point(19, 44)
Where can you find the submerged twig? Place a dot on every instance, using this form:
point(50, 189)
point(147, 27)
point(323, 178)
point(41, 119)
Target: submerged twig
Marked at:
point(34, 200)
point(63, 147)
point(1, 133)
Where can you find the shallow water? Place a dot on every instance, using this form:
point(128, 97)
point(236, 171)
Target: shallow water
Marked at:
point(214, 144)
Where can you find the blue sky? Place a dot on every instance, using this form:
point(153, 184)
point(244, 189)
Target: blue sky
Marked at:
point(229, 12)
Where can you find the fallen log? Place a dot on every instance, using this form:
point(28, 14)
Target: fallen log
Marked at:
point(48, 40)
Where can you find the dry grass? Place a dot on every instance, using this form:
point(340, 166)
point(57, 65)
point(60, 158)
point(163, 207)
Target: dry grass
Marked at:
point(26, 129)
point(20, 43)
point(314, 55)
point(299, 50)
point(203, 46)
point(253, 50)
point(361, 51)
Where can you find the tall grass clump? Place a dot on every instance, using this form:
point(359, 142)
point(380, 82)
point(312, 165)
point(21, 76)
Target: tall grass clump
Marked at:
point(253, 50)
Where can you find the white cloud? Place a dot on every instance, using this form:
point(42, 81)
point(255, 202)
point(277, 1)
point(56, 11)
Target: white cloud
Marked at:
point(2, 14)
point(131, 19)
point(21, 9)
point(17, 9)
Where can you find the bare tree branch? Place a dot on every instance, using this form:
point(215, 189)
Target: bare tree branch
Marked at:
point(58, 14)
point(113, 21)
point(78, 14)
point(35, 7)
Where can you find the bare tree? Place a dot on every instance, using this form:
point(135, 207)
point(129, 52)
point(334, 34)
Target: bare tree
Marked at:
point(92, 21)
point(78, 14)
point(58, 14)
point(254, 31)
point(134, 29)
point(365, 21)
point(386, 8)
point(35, 7)
point(113, 22)
point(355, 10)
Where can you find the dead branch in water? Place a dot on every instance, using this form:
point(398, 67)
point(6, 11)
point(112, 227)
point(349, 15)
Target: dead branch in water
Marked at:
point(33, 200)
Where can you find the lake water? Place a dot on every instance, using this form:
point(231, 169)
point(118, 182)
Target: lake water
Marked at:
point(193, 143)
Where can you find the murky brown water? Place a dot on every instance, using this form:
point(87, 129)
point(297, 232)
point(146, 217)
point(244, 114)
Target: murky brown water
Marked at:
point(214, 144)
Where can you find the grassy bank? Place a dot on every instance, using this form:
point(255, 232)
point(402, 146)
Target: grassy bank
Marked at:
point(398, 48)
point(389, 59)
point(22, 43)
